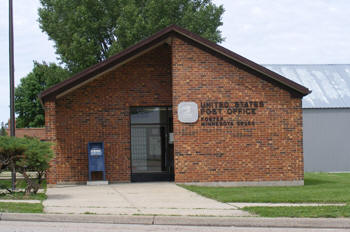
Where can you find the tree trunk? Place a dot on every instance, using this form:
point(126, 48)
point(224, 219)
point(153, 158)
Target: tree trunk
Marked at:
point(29, 183)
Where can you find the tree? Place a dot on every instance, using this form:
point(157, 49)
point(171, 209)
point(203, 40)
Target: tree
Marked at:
point(86, 32)
point(36, 158)
point(26, 154)
point(3, 129)
point(27, 105)
point(11, 150)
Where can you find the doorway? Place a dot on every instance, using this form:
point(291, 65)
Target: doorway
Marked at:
point(151, 144)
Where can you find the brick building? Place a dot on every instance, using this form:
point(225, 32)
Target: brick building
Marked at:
point(177, 107)
point(35, 132)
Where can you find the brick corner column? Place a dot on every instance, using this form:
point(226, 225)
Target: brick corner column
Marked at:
point(50, 130)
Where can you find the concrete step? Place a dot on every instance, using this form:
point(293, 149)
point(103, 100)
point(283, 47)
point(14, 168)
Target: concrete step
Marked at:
point(98, 182)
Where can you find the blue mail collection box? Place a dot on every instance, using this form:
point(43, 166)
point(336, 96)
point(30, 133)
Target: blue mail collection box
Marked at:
point(96, 159)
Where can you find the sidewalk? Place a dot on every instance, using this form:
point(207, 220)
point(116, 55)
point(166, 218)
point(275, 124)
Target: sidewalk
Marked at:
point(160, 198)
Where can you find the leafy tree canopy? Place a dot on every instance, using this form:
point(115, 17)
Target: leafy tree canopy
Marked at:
point(86, 32)
point(27, 105)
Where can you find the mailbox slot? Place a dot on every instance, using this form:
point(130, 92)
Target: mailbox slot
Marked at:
point(95, 151)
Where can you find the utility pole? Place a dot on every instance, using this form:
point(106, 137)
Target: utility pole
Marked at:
point(12, 89)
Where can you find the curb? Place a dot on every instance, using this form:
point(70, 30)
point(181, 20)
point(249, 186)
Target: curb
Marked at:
point(330, 223)
point(77, 218)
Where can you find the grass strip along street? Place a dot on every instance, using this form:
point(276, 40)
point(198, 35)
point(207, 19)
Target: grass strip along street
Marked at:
point(301, 211)
point(318, 188)
point(13, 207)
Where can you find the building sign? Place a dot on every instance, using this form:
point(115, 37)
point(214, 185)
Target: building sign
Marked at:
point(237, 113)
point(187, 112)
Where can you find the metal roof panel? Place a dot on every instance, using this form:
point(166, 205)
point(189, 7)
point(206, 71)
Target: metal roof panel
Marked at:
point(329, 83)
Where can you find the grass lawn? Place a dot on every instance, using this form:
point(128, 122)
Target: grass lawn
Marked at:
point(6, 207)
point(21, 184)
point(319, 187)
point(20, 195)
point(302, 211)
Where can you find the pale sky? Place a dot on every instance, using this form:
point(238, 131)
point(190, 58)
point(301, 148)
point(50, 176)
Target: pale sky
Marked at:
point(265, 31)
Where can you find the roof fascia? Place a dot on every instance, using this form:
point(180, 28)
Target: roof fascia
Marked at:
point(162, 36)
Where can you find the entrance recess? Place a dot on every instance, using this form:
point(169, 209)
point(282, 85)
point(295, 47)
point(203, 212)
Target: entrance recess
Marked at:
point(151, 146)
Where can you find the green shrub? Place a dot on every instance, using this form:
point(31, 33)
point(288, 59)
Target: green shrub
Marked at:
point(26, 155)
point(11, 150)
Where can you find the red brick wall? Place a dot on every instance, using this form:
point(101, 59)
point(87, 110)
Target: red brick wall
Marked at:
point(36, 132)
point(269, 150)
point(99, 111)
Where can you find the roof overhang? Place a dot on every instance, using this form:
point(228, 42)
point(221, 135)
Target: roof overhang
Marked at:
point(150, 43)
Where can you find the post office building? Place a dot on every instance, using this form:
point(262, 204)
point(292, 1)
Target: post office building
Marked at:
point(176, 107)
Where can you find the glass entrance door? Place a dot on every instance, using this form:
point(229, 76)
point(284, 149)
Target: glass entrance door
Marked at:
point(151, 154)
point(148, 148)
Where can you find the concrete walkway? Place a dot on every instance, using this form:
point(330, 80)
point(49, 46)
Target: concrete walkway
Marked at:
point(21, 201)
point(161, 198)
point(19, 190)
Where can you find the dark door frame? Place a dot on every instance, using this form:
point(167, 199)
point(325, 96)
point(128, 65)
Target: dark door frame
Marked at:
point(167, 175)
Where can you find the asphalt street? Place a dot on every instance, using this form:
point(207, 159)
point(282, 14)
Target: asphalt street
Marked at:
point(19, 226)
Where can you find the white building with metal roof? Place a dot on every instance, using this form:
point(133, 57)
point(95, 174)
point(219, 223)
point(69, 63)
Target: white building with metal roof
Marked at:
point(326, 114)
